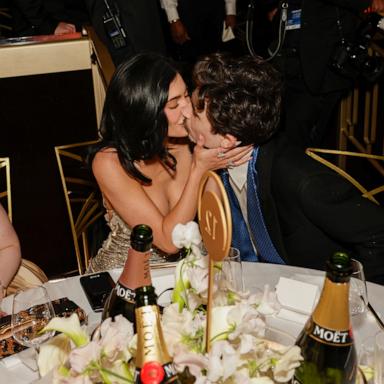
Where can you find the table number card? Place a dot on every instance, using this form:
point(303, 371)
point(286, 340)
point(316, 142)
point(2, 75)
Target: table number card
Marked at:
point(216, 230)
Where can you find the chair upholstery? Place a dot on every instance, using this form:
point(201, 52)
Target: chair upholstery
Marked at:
point(27, 276)
point(5, 185)
point(82, 197)
point(373, 159)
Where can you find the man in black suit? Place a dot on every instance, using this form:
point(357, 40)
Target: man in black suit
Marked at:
point(312, 88)
point(140, 20)
point(196, 26)
point(304, 212)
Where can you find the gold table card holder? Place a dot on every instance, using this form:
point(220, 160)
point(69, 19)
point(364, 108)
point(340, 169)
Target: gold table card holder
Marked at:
point(215, 224)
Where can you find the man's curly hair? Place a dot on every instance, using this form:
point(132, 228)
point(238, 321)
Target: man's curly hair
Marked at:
point(242, 96)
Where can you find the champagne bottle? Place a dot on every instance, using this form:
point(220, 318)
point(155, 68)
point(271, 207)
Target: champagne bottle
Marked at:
point(136, 273)
point(153, 363)
point(326, 341)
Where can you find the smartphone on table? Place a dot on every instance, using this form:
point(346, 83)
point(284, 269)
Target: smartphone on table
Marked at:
point(97, 288)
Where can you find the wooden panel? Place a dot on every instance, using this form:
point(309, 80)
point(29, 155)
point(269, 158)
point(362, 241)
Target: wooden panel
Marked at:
point(33, 59)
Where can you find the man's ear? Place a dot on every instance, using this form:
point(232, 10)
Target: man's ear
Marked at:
point(229, 141)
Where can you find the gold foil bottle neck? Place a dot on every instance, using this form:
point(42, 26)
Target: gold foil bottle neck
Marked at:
point(150, 341)
point(332, 310)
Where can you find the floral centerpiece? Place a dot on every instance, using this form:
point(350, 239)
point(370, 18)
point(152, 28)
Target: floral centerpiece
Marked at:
point(239, 350)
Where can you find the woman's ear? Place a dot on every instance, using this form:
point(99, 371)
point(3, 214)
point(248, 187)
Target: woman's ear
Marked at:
point(229, 141)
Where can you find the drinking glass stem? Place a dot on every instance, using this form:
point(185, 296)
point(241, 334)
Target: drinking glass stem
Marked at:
point(37, 351)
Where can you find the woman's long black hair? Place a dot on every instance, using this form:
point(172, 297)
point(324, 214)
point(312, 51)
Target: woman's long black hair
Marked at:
point(133, 120)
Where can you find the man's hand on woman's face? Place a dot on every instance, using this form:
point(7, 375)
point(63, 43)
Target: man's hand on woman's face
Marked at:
point(220, 157)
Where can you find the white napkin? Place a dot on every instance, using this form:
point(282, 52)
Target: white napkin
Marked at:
point(297, 299)
point(227, 34)
point(10, 361)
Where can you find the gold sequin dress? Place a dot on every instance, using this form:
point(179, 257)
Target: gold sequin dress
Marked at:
point(114, 251)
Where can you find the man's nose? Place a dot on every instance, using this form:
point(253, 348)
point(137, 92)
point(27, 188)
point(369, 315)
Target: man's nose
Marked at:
point(186, 109)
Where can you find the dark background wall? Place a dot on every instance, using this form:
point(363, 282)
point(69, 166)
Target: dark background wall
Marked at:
point(36, 114)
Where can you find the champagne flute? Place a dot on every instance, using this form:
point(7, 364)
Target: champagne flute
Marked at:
point(358, 296)
point(31, 311)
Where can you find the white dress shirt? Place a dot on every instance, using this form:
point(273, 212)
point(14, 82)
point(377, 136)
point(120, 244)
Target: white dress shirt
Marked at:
point(170, 7)
point(238, 182)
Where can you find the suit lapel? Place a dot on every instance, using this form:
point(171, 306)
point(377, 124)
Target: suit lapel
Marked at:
point(264, 166)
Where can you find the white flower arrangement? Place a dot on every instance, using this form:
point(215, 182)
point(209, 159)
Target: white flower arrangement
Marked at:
point(239, 351)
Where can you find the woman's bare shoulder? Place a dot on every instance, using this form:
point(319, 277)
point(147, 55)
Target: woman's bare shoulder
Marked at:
point(105, 159)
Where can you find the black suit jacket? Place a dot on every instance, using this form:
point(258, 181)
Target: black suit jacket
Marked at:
point(141, 22)
point(319, 36)
point(312, 212)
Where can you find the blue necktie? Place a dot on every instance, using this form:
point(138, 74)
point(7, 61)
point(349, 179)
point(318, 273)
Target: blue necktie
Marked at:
point(240, 234)
point(266, 249)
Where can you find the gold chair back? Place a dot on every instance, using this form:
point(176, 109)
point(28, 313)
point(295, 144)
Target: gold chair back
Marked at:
point(5, 185)
point(82, 197)
point(369, 194)
point(28, 275)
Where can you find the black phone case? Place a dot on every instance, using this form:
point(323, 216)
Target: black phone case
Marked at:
point(97, 288)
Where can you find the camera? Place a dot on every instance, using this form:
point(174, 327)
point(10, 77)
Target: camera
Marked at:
point(353, 60)
point(112, 25)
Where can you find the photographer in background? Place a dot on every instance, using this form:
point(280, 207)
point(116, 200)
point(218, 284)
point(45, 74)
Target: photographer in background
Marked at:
point(315, 29)
point(127, 27)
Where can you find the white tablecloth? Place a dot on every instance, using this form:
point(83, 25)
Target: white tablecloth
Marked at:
point(256, 275)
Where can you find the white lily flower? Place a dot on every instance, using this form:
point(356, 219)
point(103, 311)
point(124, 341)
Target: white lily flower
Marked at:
point(186, 235)
point(81, 357)
point(198, 278)
point(195, 362)
point(57, 379)
point(117, 370)
point(53, 353)
point(115, 336)
point(70, 326)
point(223, 361)
point(260, 380)
point(286, 365)
point(247, 321)
point(175, 324)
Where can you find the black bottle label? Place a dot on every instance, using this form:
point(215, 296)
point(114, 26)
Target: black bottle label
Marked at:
point(330, 336)
point(125, 293)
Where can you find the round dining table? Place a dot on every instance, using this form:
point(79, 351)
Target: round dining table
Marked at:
point(256, 276)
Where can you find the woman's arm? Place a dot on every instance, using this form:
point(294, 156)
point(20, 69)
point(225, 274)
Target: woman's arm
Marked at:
point(10, 254)
point(130, 200)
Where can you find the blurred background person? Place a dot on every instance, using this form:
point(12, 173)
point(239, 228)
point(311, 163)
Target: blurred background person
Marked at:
point(314, 32)
point(140, 31)
point(47, 17)
point(10, 253)
point(196, 26)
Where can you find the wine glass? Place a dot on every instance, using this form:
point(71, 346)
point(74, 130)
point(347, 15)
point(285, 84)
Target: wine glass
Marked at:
point(233, 270)
point(358, 296)
point(379, 358)
point(31, 311)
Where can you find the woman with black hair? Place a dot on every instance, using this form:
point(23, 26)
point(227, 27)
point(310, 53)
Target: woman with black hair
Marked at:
point(143, 164)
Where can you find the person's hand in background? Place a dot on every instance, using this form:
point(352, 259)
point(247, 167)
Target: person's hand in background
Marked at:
point(64, 28)
point(378, 6)
point(230, 21)
point(178, 32)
